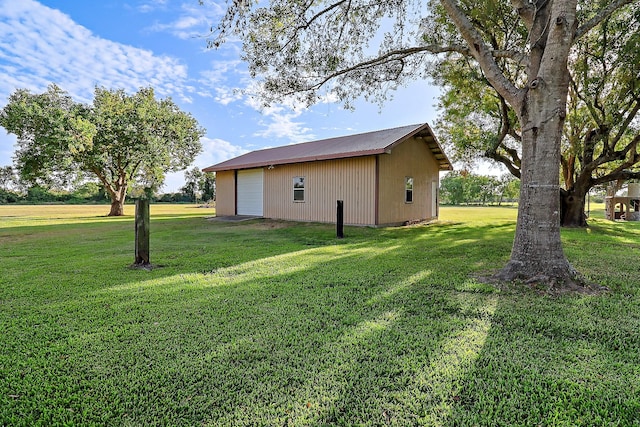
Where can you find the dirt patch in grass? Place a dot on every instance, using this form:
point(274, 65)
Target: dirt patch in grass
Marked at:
point(253, 222)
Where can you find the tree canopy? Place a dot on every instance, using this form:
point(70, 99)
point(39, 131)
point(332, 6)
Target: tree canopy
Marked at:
point(353, 47)
point(119, 138)
point(199, 185)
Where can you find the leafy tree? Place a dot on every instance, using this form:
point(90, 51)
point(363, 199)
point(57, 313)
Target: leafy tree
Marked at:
point(88, 191)
point(197, 181)
point(40, 194)
point(601, 140)
point(481, 188)
point(508, 188)
point(193, 178)
point(452, 188)
point(7, 178)
point(119, 138)
point(354, 47)
point(9, 197)
point(141, 192)
point(601, 133)
point(8, 182)
point(174, 198)
point(464, 187)
point(208, 186)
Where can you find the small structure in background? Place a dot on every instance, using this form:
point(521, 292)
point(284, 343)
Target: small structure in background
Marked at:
point(624, 207)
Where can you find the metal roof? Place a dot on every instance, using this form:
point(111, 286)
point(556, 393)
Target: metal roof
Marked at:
point(364, 144)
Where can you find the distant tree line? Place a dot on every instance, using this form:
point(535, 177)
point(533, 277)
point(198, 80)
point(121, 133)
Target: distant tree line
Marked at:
point(199, 187)
point(464, 187)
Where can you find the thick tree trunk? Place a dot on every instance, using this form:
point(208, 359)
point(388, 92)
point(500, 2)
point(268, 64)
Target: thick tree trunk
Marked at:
point(537, 255)
point(117, 201)
point(572, 212)
point(117, 208)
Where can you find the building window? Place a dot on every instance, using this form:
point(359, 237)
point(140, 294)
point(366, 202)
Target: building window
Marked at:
point(408, 190)
point(298, 189)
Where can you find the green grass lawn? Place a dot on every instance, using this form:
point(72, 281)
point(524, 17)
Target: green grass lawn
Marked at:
point(268, 323)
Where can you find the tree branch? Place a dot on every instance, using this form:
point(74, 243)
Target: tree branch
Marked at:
point(526, 10)
point(513, 163)
point(482, 53)
point(394, 55)
point(618, 155)
point(627, 122)
point(600, 16)
point(322, 12)
point(623, 175)
point(105, 182)
point(311, 20)
point(515, 171)
point(401, 54)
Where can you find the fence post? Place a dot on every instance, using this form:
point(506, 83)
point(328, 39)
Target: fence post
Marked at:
point(340, 219)
point(142, 233)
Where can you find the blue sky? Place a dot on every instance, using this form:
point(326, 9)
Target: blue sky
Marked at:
point(128, 44)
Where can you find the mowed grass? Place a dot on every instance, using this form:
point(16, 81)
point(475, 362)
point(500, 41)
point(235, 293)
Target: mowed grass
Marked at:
point(270, 323)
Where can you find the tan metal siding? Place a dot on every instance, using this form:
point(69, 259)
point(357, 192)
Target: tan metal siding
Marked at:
point(225, 193)
point(351, 180)
point(412, 158)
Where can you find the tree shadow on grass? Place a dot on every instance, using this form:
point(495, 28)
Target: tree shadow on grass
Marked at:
point(569, 360)
point(256, 325)
point(293, 327)
point(313, 346)
point(555, 361)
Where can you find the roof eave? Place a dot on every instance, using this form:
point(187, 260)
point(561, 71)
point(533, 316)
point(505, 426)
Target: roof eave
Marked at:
point(434, 145)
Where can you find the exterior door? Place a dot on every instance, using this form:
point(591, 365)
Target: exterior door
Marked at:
point(434, 199)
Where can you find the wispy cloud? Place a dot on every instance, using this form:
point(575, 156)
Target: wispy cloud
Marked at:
point(217, 150)
point(151, 5)
point(215, 82)
point(227, 81)
point(214, 151)
point(282, 120)
point(40, 45)
point(193, 20)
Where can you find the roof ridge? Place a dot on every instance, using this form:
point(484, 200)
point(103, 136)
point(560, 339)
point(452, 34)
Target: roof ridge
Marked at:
point(340, 137)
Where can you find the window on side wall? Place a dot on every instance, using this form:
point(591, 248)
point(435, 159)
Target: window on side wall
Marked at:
point(298, 189)
point(408, 189)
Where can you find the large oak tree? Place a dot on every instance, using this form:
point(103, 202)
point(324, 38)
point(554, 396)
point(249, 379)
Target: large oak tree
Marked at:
point(352, 47)
point(119, 138)
point(601, 131)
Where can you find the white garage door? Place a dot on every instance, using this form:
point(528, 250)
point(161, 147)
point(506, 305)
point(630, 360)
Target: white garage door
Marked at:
point(250, 187)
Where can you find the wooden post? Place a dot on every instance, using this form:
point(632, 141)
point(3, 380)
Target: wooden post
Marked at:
point(340, 219)
point(142, 233)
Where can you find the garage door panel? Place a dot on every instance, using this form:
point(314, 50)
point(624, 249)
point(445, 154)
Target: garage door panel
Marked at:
point(250, 192)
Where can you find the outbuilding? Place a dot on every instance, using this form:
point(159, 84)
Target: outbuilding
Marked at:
point(386, 177)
